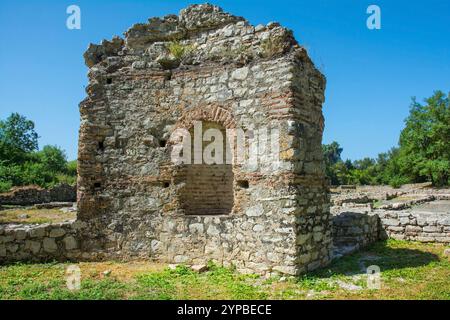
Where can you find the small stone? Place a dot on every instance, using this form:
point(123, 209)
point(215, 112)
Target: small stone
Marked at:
point(106, 273)
point(12, 247)
point(240, 74)
point(155, 245)
point(273, 24)
point(33, 246)
point(50, 245)
point(255, 211)
point(70, 243)
point(196, 228)
point(302, 238)
point(23, 216)
point(447, 252)
point(199, 268)
point(172, 266)
point(168, 61)
point(259, 27)
point(391, 222)
point(290, 270)
point(348, 286)
point(213, 231)
point(180, 258)
point(2, 250)
point(139, 65)
point(258, 228)
point(431, 229)
point(38, 232)
point(56, 233)
point(20, 234)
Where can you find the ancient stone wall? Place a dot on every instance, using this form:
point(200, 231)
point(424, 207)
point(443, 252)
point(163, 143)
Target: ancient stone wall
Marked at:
point(204, 65)
point(30, 195)
point(355, 229)
point(44, 242)
point(416, 226)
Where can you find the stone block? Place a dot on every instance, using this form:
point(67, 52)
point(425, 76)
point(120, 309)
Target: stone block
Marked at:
point(70, 243)
point(20, 234)
point(57, 232)
point(37, 232)
point(33, 246)
point(49, 245)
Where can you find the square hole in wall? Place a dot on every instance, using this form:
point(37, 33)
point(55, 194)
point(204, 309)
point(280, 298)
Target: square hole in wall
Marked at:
point(243, 184)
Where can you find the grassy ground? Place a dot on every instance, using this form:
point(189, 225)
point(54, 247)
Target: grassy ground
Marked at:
point(409, 271)
point(35, 215)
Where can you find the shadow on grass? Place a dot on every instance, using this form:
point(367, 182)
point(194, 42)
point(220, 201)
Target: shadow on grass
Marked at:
point(380, 254)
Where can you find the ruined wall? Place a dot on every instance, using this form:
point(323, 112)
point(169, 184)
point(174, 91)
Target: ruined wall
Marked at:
point(416, 226)
point(236, 76)
point(46, 242)
point(355, 229)
point(29, 195)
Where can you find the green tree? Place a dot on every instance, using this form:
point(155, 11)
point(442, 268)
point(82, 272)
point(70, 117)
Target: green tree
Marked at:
point(22, 164)
point(332, 153)
point(331, 156)
point(17, 138)
point(425, 141)
point(71, 168)
point(53, 159)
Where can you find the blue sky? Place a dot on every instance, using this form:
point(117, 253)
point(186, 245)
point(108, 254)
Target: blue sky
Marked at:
point(371, 74)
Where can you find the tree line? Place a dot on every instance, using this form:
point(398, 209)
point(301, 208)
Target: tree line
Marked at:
point(422, 154)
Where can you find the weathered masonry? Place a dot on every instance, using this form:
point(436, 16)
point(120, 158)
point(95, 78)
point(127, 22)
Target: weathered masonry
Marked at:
point(207, 66)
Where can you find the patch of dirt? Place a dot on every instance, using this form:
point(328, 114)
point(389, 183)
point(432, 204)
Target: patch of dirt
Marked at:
point(118, 270)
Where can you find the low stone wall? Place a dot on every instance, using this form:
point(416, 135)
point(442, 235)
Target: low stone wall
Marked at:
point(29, 195)
point(354, 230)
point(46, 242)
point(351, 231)
point(416, 226)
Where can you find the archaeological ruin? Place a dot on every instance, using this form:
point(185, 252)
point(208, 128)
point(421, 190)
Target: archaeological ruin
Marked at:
point(209, 67)
point(201, 140)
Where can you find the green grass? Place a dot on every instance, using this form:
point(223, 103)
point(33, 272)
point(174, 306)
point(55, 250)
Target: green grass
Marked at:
point(13, 215)
point(409, 271)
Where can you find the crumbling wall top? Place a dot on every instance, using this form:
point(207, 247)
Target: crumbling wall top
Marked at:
point(204, 32)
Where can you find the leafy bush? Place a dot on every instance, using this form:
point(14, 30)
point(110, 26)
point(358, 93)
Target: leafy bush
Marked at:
point(397, 182)
point(179, 50)
point(5, 186)
point(71, 168)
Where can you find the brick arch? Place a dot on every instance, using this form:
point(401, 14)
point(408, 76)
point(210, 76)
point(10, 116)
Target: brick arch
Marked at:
point(212, 113)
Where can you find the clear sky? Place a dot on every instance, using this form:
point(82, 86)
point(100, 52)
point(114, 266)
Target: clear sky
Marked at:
point(372, 74)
